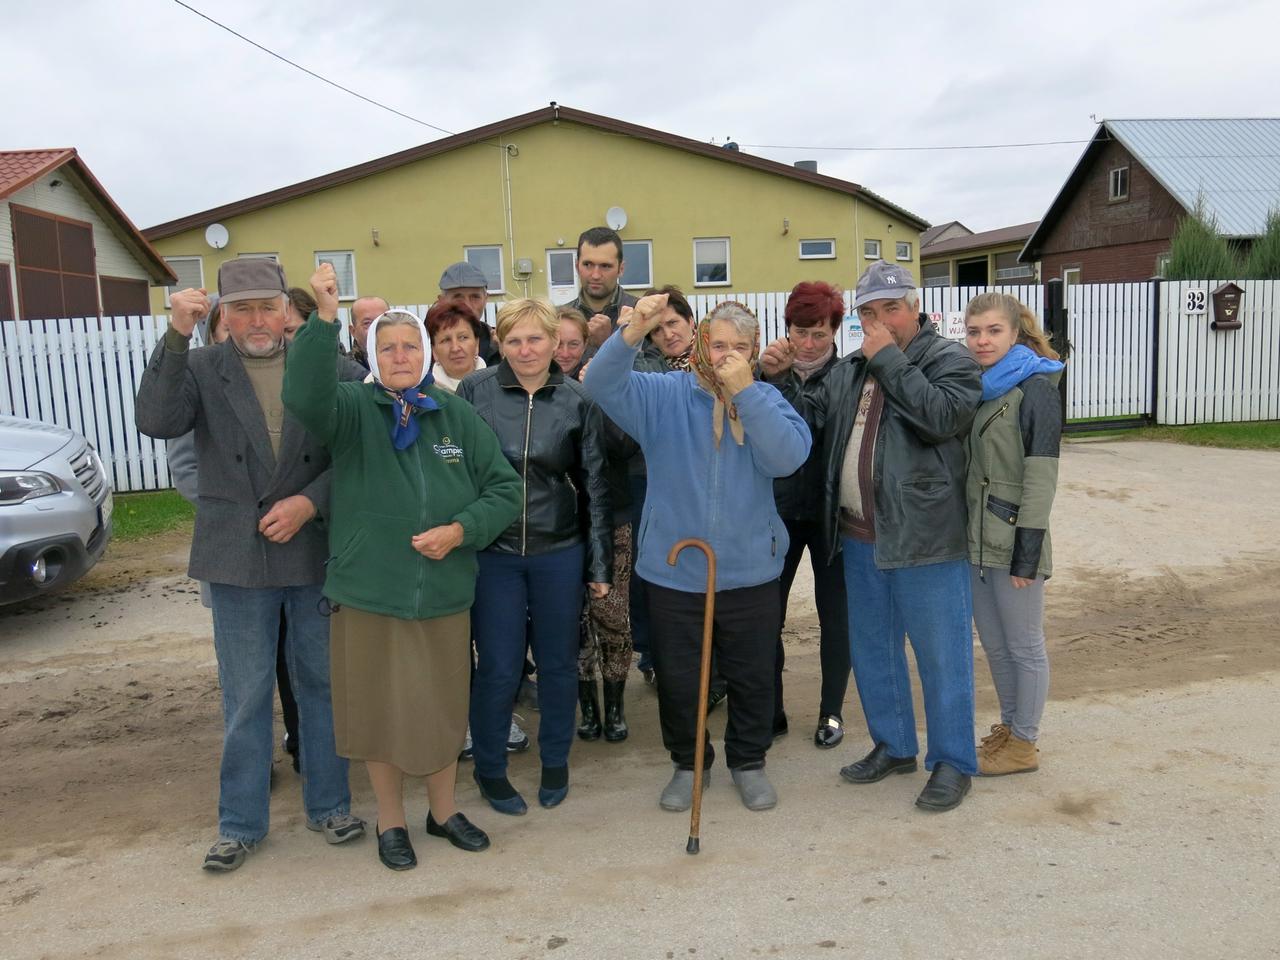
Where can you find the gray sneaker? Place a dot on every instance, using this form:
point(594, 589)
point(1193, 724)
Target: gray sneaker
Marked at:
point(677, 796)
point(756, 790)
point(338, 828)
point(227, 855)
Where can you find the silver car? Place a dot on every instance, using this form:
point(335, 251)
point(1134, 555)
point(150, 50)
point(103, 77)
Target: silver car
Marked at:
point(55, 508)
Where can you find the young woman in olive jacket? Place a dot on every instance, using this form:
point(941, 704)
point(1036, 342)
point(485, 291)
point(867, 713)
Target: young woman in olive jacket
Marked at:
point(1013, 471)
point(553, 434)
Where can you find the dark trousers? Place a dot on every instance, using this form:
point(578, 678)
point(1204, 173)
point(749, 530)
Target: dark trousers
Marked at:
point(540, 593)
point(638, 600)
point(744, 634)
point(833, 617)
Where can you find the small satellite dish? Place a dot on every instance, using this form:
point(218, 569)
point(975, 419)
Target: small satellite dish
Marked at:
point(216, 236)
point(616, 218)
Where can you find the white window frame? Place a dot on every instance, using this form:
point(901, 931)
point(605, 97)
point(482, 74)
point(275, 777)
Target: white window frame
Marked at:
point(870, 256)
point(246, 256)
point(625, 260)
point(170, 290)
point(1113, 180)
point(322, 255)
point(502, 272)
point(939, 281)
point(817, 256)
point(897, 249)
point(728, 262)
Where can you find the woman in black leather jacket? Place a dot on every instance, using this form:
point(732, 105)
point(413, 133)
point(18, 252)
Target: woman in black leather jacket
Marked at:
point(553, 434)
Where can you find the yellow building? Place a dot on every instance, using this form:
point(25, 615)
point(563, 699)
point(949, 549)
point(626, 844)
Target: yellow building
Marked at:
point(513, 196)
point(958, 258)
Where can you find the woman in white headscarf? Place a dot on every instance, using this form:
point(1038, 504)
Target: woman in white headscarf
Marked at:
point(419, 485)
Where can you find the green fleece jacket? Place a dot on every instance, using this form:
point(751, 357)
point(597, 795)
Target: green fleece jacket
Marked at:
point(382, 497)
point(1012, 477)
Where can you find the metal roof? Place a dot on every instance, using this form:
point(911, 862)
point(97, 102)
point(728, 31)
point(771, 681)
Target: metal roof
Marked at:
point(987, 238)
point(1233, 163)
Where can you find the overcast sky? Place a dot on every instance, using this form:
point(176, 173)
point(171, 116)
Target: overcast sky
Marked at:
point(174, 115)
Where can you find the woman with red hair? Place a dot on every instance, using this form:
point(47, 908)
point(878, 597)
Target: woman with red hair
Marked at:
point(813, 314)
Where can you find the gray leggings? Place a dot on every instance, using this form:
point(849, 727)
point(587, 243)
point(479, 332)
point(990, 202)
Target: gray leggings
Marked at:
point(1011, 627)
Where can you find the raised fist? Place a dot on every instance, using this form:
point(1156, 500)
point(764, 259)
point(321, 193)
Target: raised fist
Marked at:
point(188, 307)
point(324, 284)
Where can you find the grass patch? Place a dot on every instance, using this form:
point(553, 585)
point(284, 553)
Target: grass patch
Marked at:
point(141, 515)
point(1256, 435)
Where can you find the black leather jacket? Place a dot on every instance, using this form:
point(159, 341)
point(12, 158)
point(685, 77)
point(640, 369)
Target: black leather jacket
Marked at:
point(799, 496)
point(555, 440)
point(931, 392)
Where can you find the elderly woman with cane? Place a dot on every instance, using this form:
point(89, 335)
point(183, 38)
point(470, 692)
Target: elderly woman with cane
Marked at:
point(714, 440)
point(419, 485)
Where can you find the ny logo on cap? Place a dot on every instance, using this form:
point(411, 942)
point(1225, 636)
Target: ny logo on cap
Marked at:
point(890, 279)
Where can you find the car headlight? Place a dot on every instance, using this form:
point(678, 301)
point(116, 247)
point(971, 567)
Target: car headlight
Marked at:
point(19, 487)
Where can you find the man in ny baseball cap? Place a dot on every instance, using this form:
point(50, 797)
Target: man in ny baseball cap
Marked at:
point(883, 281)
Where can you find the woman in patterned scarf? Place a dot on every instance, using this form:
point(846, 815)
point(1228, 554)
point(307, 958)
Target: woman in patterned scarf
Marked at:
point(675, 330)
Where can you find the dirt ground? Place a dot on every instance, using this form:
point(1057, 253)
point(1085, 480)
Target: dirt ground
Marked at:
point(1150, 830)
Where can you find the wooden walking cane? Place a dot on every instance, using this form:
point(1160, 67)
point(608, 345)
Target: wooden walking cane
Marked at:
point(704, 677)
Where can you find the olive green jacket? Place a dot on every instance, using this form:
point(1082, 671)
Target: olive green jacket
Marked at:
point(1012, 476)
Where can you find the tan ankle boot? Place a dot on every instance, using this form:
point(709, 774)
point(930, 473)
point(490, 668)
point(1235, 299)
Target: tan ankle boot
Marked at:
point(995, 739)
point(1014, 756)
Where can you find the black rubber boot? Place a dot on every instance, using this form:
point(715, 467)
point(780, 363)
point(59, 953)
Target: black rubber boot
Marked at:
point(589, 728)
point(615, 722)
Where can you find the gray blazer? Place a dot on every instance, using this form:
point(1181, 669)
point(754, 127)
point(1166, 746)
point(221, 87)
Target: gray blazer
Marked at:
point(239, 479)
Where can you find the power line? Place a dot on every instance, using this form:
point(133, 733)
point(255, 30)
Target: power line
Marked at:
point(311, 73)
point(966, 146)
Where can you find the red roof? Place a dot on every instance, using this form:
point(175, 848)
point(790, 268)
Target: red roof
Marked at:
point(21, 167)
point(18, 168)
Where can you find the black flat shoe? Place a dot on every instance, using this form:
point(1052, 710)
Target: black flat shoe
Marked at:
point(877, 765)
point(394, 849)
point(459, 831)
point(780, 726)
point(715, 697)
point(829, 733)
point(945, 789)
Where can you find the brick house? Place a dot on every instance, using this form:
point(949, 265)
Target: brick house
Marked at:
point(1114, 217)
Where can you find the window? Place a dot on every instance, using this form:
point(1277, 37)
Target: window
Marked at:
point(190, 271)
point(56, 265)
point(937, 274)
point(711, 262)
point(637, 263)
point(871, 249)
point(817, 249)
point(903, 250)
point(1008, 267)
point(125, 297)
point(1162, 264)
point(344, 265)
point(489, 260)
point(258, 256)
point(1119, 184)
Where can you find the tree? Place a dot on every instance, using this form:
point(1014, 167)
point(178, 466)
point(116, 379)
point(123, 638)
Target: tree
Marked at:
point(1263, 261)
point(1198, 251)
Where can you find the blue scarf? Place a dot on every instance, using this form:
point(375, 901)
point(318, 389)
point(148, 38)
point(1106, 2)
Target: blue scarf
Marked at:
point(1015, 366)
point(404, 428)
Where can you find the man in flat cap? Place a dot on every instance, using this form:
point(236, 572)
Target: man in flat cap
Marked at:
point(465, 285)
point(259, 542)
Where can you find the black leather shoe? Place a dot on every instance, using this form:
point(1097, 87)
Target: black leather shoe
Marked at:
point(829, 733)
point(877, 765)
point(780, 726)
point(715, 697)
point(459, 831)
point(945, 789)
point(589, 704)
point(615, 721)
point(395, 850)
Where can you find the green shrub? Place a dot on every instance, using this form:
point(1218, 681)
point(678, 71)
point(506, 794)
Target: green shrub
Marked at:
point(1263, 262)
point(1198, 252)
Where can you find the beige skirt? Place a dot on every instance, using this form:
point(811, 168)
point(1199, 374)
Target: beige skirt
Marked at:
point(401, 688)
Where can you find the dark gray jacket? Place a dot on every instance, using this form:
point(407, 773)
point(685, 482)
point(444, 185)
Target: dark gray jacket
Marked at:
point(239, 479)
point(799, 496)
point(931, 392)
point(555, 439)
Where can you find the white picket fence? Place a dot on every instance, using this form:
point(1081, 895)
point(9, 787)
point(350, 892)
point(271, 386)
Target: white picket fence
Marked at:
point(84, 374)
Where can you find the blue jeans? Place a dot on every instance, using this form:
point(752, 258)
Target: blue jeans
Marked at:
point(246, 633)
point(544, 592)
point(932, 605)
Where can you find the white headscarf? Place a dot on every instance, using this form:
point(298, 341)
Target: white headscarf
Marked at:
point(371, 345)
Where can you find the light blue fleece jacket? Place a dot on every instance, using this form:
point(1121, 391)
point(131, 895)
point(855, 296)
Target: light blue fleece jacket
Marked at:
point(723, 496)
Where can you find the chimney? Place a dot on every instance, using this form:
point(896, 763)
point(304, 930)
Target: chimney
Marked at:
point(809, 165)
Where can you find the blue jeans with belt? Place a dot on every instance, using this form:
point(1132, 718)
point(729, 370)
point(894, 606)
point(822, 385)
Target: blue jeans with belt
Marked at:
point(543, 591)
point(932, 605)
point(246, 635)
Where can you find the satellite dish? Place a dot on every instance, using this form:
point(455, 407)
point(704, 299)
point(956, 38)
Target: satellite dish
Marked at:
point(216, 236)
point(616, 218)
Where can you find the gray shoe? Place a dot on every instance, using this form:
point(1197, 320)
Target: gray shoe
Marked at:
point(677, 796)
point(338, 828)
point(227, 855)
point(756, 790)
